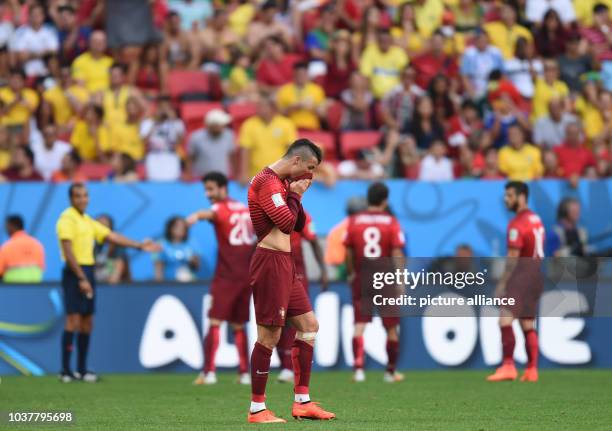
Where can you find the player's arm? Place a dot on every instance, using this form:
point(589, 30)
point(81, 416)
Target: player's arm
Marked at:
point(399, 258)
point(74, 266)
point(283, 214)
point(511, 263)
point(318, 254)
point(120, 240)
point(197, 216)
point(350, 268)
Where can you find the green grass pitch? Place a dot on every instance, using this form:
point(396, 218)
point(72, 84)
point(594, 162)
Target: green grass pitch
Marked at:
point(433, 400)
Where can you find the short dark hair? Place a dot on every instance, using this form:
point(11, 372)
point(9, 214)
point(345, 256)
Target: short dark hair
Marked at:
point(73, 187)
point(469, 104)
point(302, 145)
point(519, 187)
point(66, 8)
point(377, 193)
point(15, 221)
point(216, 177)
point(120, 66)
point(76, 157)
point(563, 208)
point(600, 7)
point(107, 216)
point(170, 224)
point(17, 71)
point(300, 65)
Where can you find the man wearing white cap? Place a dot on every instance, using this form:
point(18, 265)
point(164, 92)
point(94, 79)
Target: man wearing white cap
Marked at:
point(210, 148)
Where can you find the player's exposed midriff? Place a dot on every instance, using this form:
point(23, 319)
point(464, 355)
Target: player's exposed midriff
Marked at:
point(276, 240)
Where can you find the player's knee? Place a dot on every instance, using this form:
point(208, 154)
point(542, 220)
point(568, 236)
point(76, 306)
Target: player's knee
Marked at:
point(73, 322)
point(392, 334)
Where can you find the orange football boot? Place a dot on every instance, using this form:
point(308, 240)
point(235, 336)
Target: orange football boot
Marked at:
point(264, 417)
point(530, 375)
point(311, 410)
point(505, 372)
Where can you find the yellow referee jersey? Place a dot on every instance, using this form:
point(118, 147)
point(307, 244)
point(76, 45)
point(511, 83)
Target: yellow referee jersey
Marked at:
point(82, 230)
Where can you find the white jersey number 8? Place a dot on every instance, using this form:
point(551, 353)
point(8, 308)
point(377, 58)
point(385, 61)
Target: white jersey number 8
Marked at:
point(371, 236)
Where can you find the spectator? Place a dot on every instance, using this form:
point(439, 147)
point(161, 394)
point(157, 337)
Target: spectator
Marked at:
point(441, 93)
point(317, 41)
point(597, 36)
point(536, 10)
point(35, 45)
point(428, 13)
point(397, 107)
point(218, 38)
point(435, 166)
point(178, 50)
point(302, 100)
point(425, 128)
point(112, 263)
point(276, 66)
point(523, 68)
point(574, 65)
point(568, 237)
point(164, 134)
point(552, 37)
point(340, 64)
point(6, 32)
point(240, 83)
point(505, 33)
point(90, 136)
point(92, 67)
point(373, 19)
point(434, 62)
point(364, 167)
point(63, 102)
point(551, 164)
point(406, 32)
point(590, 109)
point(263, 138)
point(468, 15)
point(491, 165)
point(357, 101)
point(191, 14)
point(149, 78)
point(462, 126)
point(22, 166)
point(5, 148)
point(17, 105)
point(69, 170)
point(573, 155)
point(210, 148)
point(49, 153)
point(123, 168)
point(549, 131)
point(505, 115)
point(22, 257)
point(73, 37)
point(266, 26)
point(519, 160)
point(477, 63)
point(128, 137)
point(547, 88)
point(382, 63)
point(178, 259)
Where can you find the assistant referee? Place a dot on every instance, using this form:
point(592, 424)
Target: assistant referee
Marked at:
point(77, 232)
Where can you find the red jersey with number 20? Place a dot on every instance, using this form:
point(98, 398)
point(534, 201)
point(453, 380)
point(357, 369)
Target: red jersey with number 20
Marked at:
point(526, 233)
point(235, 238)
point(372, 234)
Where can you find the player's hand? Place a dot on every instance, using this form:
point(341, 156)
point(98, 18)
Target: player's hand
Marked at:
point(86, 289)
point(324, 281)
point(150, 246)
point(192, 219)
point(300, 186)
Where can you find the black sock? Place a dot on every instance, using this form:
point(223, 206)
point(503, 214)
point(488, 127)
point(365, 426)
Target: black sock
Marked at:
point(67, 339)
point(83, 347)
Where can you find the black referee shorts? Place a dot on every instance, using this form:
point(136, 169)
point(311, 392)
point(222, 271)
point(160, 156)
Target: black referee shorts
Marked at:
point(75, 302)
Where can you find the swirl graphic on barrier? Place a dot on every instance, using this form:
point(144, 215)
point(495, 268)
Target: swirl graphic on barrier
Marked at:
point(19, 330)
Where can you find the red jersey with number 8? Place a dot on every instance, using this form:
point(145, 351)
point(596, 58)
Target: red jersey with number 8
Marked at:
point(526, 233)
point(235, 238)
point(373, 234)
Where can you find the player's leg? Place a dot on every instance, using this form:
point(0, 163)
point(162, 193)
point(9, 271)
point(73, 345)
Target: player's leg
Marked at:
point(283, 349)
point(531, 346)
point(507, 371)
point(71, 326)
point(358, 351)
point(267, 338)
point(392, 328)
point(211, 343)
point(83, 337)
point(241, 341)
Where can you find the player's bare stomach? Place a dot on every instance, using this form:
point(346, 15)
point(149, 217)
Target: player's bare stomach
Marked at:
point(276, 240)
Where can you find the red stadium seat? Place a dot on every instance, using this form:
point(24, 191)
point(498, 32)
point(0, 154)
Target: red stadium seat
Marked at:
point(324, 139)
point(187, 82)
point(192, 113)
point(334, 115)
point(95, 171)
point(352, 142)
point(241, 111)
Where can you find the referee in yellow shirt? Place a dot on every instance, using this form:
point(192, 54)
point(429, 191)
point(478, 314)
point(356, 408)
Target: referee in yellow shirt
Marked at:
point(77, 233)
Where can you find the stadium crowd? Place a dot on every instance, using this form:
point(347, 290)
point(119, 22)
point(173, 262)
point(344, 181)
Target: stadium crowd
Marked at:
point(424, 89)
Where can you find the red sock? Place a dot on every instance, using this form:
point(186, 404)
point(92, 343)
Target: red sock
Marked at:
point(260, 368)
point(358, 352)
point(508, 341)
point(284, 346)
point(531, 346)
point(211, 343)
point(392, 354)
point(302, 364)
point(240, 339)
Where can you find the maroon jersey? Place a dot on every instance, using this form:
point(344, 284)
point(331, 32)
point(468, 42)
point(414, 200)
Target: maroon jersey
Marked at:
point(308, 234)
point(271, 204)
point(372, 234)
point(235, 239)
point(526, 233)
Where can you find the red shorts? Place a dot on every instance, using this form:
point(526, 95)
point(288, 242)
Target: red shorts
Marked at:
point(230, 301)
point(365, 316)
point(277, 291)
point(525, 286)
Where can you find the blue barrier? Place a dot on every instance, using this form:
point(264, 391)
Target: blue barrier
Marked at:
point(147, 328)
point(435, 217)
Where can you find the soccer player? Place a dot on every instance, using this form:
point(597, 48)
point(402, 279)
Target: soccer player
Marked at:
point(230, 290)
point(521, 281)
point(275, 206)
point(77, 233)
point(308, 234)
point(371, 234)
